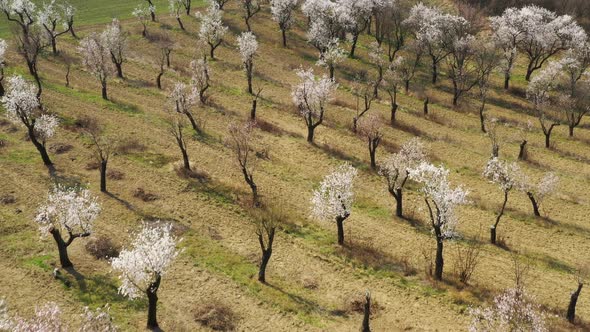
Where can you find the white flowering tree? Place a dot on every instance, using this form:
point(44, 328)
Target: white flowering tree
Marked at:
point(331, 55)
point(142, 13)
point(539, 92)
point(142, 267)
point(538, 191)
point(461, 67)
point(96, 58)
point(69, 12)
point(506, 175)
point(436, 32)
point(103, 147)
point(364, 92)
point(182, 99)
point(396, 169)
point(51, 17)
point(240, 139)
point(115, 40)
point(177, 7)
point(3, 49)
point(98, 320)
point(546, 34)
point(332, 201)
point(377, 59)
point(513, 310)
point(325, 23)
point(392, 81)
point(354, 15)
point(251, 8)
point(441, 200)
point(389, 16)
point(282, 13)
point(70, 211)
point(248, 46)
point(310, 97)
point(200, 77)
point(22, 107)
point(370, 128)
point(507, 33)
point(21, 12)
point(212, 29)
point(176, 125)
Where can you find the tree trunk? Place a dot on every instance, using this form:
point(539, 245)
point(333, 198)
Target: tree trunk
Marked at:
point(571, 309)
point(284, 33)
point(393, 112)
point(355, 38)
point(500, 214)
point(481, 116)
point(439, 262)
point(144, 32)
point(152, 295)
point(506, 81)
point(180, 23)
point(571, 130)
point(72, 32)
point(249, 75)
point(68, 76)
point(159, 80)
point(103, 176)
point(310, 133)
point(40, 147)
point(104, 91)
point(366, 314)
point(185, 160)
point(53, 45)
point(247, 19)
point(529, 71)
point(253, 110)
point(534, 203)
point(263, 263)
point(193, 122)
point(119, 67)
point(522, 152)
point(399, 203)
point(331, 71)
point(62, 248)
point(426, 106)
point(340, 225)
point(153, 15)
point(548, 139)
point(407, 86)
point(434, 71)
point(212, 52)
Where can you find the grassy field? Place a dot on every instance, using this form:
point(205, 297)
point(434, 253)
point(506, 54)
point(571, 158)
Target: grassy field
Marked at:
point(311, 279)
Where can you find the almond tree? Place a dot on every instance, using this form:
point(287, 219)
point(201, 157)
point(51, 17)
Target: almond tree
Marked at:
point(142, 267)
point(396, 169)
point(354, 16)
point(21, 12)
point(103, 147)
point(460, 67)
point(49, 18)
point(506, 176)
point(507, 33)
point(200, 77)
point(248, 46)
point(176, 8)
point(574, 85)
point(182, 99)
point(393, 79)
point(310, 97)
point(376, 57)
point(581, 275)
point(513, 310)
point(22, 106)
point(220, 3)
point(97, 59)
point(364, 92)
point(370, 128)
point(265, 224)
point(539, 191)
point(486, 61)
point(282, 13)
point(325, 23)
point(69, 12)
point(441, 201)
point(545, 34)
point(71, 211)
point(251, 8)
point(331, 55)
point(240, 140)
point(177, 122)
point(332, 201)
point(142, 13)
point(389, 16)
point(115, 41)
point(152, 9)
point(212, 29)
point(539, 93)
point(3, 49)
point(29, 47)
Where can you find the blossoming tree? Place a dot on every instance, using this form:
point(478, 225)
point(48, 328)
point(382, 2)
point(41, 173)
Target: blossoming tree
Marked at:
point(282, 13)
point(332, 201)
point(212, 29)
point(248, 46)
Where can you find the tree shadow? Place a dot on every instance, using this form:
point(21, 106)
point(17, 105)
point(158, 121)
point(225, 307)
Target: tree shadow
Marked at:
point(123, 202)
point(306, 304)
point(80, 279)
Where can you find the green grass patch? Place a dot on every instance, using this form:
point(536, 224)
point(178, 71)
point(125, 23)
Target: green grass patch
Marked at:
point(39, 261)
point(22, 156)
point(94, 98)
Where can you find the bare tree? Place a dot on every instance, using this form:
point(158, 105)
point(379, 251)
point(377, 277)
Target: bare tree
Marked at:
point(580, 275)
point(254, 104)
point(176, 125)
point(240, 139)
point(103, 147)
point(364, 91)
point(182, 98)
point(29, 46)
point(370, 130)
point(251, 8)
point(266, 223)
point(200, 77)
point(486, 61)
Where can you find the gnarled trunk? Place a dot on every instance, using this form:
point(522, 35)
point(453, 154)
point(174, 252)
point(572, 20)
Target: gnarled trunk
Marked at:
point(40, 147)
point(103, 176)
point(534, 203)
point(571, 309)
point(500, 214)
point(522, 152)
point(62, 248)
point(439, 261)
point(152, 295)
point(340, 226)
point(284, 33)
point(366, 314)
point(263, 263)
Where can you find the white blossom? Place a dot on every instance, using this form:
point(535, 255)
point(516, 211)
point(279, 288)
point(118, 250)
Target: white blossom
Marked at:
point(396, 167)
point(248, 46)
point(176, 7)
point(332, 54)
point(46, 319)
point(45, 126)
point(282, 12)
point(502, 173)
point(70, 210)
point(142, 12)
point(115, 41)
point(311, 94)
point(26, 8)
point(212, 29)
point(98, 320)
point(334, 197)
point(440, 197)
point(152, 251)
point(513, 310)
point(3, 49)
point(20, 102)
point(96, 57)
point(200, 72)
